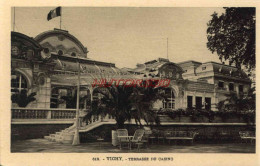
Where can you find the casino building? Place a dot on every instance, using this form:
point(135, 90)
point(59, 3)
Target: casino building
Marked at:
point(196, 84)
point(49, 64)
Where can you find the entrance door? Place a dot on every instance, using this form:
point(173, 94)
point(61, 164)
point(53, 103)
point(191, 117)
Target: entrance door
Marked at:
point(208, 103)
point(189, 101)
point(198, 102)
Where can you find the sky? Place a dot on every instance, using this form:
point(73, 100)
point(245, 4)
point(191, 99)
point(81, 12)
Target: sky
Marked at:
point(127, 35)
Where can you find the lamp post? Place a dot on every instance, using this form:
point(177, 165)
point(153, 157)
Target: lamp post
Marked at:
point(76, 134)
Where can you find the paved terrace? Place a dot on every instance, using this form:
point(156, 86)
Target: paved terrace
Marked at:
point(45, 146)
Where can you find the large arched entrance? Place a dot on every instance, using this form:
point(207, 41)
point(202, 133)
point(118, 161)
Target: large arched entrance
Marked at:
point(18, 82)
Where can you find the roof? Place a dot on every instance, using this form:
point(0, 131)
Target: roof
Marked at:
point(221, 70)
point(189, 61)
point(46, 34)
point(33, 42)
point(154, 65)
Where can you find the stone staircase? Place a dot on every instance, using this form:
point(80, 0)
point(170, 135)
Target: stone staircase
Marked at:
point(64, 136)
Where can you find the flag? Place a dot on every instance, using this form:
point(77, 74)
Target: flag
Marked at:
point(54, 13)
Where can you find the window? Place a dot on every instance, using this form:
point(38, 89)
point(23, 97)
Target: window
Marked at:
point(231, 87)
point(163, 73)
point(170, 74)
point(15, 50)
point(60, 52)
point(204, 68)
point(221, 84)
point(198, 102)
point(169, 104)
point(241, 88)
point(54, 98)
point(73, 54)
point(46, 50)
point(189, 101)
point(208, 103)
point(18, 82)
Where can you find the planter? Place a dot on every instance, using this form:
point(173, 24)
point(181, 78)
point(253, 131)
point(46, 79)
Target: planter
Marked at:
point(232, 119)
point(184, 119)
point(114, 138)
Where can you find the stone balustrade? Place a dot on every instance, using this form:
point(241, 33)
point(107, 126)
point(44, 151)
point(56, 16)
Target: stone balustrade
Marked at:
point(52, 115)
point(43, 113)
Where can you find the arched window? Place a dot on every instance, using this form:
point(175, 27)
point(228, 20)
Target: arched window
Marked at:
point(169, 102)
point(18, 82)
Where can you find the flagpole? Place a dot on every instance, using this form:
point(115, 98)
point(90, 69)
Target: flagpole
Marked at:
point(14, 21)
point(76, 140)
point(60, 17)
point(167, 49)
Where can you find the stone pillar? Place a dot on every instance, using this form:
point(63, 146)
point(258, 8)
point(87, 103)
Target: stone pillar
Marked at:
point(194, 99)
point(44, 94)
point(237, 88)
point(184, 98)
point(49, 114)
point(214, 99)
point(203, 99)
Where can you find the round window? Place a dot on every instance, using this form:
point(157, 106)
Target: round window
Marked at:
point(73, 54)
point(46, 50)
point(15, 50)
point(60, 52)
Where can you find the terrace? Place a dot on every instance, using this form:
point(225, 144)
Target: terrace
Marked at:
point(45, 146)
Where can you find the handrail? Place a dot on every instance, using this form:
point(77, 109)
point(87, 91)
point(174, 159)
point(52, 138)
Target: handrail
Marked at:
point(49, 109)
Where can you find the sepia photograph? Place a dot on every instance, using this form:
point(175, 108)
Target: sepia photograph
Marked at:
point(133, 80)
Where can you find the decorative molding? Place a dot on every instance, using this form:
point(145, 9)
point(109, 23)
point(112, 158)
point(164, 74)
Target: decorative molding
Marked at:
point(61, 37)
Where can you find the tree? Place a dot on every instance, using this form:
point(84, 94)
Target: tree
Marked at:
point(22, 99)
point(232, 36)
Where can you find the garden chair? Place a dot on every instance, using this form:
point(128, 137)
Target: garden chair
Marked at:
point(145, 139)
point(247, 136)
point(153, 136)
point(161, 136)
point(122, 135)
point(137, 138)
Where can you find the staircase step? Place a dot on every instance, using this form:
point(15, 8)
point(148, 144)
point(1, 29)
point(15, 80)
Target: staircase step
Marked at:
point(59, 140)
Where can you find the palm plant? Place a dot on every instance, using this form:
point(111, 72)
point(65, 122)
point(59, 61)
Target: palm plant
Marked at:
point(126, 103)
point(241, 104)
point(116, 102)
point(22, 99)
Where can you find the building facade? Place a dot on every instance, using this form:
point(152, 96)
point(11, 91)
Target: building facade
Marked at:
point(50, 63)
point(194, 84)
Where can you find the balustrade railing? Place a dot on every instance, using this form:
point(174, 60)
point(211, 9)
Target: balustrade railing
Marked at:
point(56, 114)
point(43, 113)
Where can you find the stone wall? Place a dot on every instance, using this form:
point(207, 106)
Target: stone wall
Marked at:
point(29, 131)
